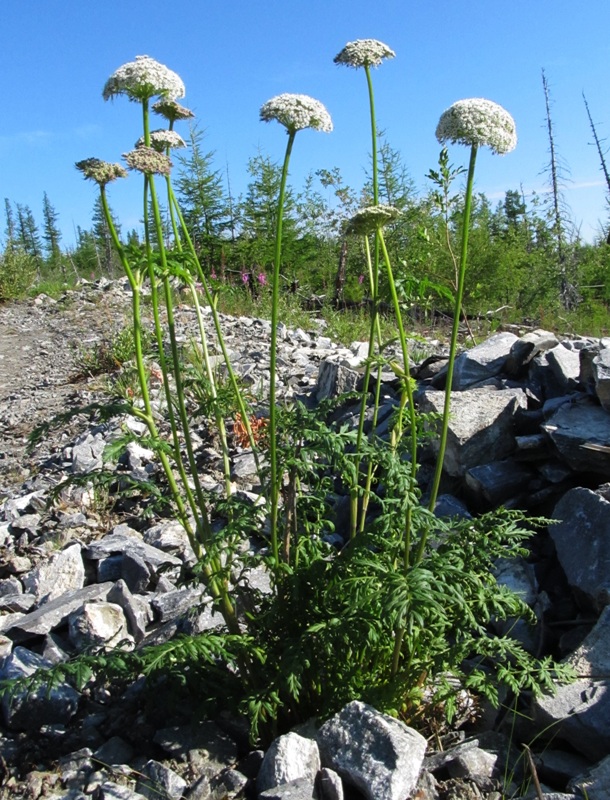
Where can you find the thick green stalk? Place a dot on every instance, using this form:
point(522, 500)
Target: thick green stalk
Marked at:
point(369, 81)
point(215, 583)
point(148, 417)
point(199, 505)
point(218, 328)
point(220, 423)
point(457, 310)
point(275, 473)
point(408, 388)
point(374, 272)
point(374, 333)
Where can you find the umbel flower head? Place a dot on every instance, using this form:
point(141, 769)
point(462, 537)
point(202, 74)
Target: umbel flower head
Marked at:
point(142, 79)
point(172, 110)
point(478, 122)
point(148, 160)
point(297, 111)
point(102, 172)
point(364, 53)
point(371, 218)
point(162, 139)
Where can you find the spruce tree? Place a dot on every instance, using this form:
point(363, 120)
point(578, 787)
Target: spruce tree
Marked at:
point(51, 234)
point(202, 198)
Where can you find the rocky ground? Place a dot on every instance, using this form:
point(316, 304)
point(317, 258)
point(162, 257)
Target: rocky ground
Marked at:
point(40, 344)
point(530, 427)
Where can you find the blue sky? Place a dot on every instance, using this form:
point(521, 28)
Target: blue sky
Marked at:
point(233, 55)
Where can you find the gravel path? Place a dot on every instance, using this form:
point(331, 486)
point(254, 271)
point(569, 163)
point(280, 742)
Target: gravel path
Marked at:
point(39, 347)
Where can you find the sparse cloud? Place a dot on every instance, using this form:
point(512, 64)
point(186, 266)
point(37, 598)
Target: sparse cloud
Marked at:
point(27, 137)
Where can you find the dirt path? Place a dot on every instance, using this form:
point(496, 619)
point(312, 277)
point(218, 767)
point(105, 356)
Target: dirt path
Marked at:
point(39, 345)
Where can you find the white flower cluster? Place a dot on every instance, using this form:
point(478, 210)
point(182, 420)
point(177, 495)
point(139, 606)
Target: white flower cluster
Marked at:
point(148, 161)
point(364, 53)
point(142, 79)
point(102, 172)
point(297, 111)
point(162, 139)
point(369, 219)
point(172, 110)
point(478, 122)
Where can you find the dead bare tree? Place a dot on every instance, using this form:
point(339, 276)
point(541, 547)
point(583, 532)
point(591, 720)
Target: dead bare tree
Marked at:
point(556, 171)
point(602, 155)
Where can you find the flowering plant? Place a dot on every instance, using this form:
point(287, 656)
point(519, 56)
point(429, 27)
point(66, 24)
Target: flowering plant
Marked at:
point(101, 172)
point(148, 160)
point(142, 79)
point(364, 53)
point(162, 139)
point(478, 122)
point(296, 112)
point(171, 110)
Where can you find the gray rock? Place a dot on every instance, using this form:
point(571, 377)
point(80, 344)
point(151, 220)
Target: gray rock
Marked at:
point(97, 623)
point(137, 610)
point(87, 453)
point(565, 366)
point(289, 758)
point(29, 710)
point(601, 376)
point(335, 379)
point(76, 767)
point(483, 361)
point(169, 605)
point(136, 572)
point(379, 755)
point(109, 790)
point(494, 483)
point(113, 752)
point(580, 431)
point(208, 749)
point(595, 784)
point(161, 782)
point(329, 785)
point(54, 613)
point(528, 347)
point(480, 426)
point(298, 789)
point(579, 714)
point(582, 541)
point(61, 573)
point(18, 602)
point(123, 540)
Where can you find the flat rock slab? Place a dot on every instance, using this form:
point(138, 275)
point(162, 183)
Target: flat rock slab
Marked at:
point(55, 613)
point(581, 433)
point(480, 425)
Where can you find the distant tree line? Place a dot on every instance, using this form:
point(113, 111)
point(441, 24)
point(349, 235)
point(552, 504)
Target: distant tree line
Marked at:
point(525, 257)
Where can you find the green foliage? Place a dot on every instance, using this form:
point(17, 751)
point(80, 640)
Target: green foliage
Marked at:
point(17, 273)
point(109, 355)
point(402, 614)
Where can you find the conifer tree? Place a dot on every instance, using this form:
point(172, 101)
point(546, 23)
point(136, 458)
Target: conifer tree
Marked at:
point(51, 234)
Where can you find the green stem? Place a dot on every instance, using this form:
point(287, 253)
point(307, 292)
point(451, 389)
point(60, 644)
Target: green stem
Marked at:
point(220, 423)
point(408, 387)
point(369, 81)
point(245, 416)
point(374, 333)
point(135, 281)
point(454, 334)
point(275, 474)
point(198, 506)
point(213, 567)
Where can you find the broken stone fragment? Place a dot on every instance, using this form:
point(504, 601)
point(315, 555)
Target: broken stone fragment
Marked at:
point(379, 755)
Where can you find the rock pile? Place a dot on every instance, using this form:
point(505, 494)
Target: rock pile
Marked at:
point(530, 428)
